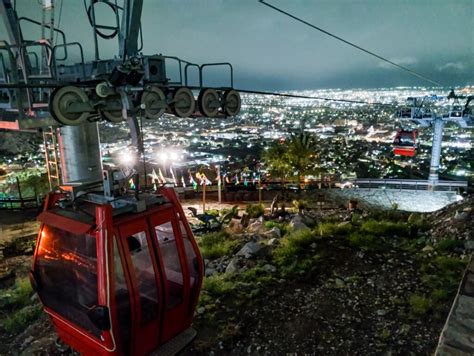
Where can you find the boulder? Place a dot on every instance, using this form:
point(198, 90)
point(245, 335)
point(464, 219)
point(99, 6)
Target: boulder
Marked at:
point(273, 242)
point(295, 226)
point(273, 233)
point(210, 272)
point(469, 244)
point(297, 223)
point(249, 250)
point(256, 227)
point(235, 227)
point(269, 268)
point(233, 266)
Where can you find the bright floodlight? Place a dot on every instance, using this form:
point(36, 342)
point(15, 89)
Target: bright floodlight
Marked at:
point(127, 158)
point(163, 156)
point(174, 156)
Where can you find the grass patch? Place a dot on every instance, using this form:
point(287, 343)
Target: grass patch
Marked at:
point(254, 275)
point(385, 228)
point(293, 245)
point(334, 229)
point(364, 241)
point(216, 244)
point(442, 276)
point(19, 320)
point(419, 304)
point(218, 284)
point(18, 296)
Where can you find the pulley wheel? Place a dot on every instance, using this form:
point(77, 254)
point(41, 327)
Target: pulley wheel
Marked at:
point(154, 101)
point(184, 103)
point(208, 102)
point(61, 102)
point(113, 109)
point(232, 102)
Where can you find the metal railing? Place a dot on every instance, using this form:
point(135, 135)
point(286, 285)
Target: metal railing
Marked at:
point(408, 184)
point(18, 203)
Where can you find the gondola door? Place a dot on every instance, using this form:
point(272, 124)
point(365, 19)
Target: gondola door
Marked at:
point(144, 285)
point(175, 275)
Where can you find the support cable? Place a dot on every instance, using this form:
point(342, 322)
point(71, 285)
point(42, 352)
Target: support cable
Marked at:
point(421, 76)
point(296, 96)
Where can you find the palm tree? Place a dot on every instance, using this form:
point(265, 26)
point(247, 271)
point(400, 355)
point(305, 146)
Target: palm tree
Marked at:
point(295, 158)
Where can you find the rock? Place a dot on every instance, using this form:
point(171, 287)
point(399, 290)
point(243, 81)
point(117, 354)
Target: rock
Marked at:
point(256, 227)
point(210, 272)
point(235, 227)
point(461, 215)
point(469, 244)
point(233, 266)
point(249, 250)
point(428, 248)
point(297, 223)
point(339, 283)
point(273, 233)
point(309, 220)
point(296, 226)
point(269, 268)
point(273, 242)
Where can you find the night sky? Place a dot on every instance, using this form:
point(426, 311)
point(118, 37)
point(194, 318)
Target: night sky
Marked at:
point(273, 52)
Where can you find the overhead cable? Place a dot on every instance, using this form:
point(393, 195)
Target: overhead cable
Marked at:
point(310, 97)
point(421, 76)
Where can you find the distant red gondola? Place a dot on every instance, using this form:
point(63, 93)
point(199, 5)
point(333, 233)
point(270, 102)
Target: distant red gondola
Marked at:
point(404, 143)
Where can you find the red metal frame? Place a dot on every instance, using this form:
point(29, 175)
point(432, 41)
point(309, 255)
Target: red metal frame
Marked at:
point(169, 322)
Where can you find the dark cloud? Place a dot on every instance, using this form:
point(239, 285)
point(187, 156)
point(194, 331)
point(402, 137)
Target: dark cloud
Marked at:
point(271, 51)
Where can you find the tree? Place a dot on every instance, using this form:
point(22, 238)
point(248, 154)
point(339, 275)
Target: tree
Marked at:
point(295, 158)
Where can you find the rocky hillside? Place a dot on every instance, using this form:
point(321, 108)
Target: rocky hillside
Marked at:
point(331, 282)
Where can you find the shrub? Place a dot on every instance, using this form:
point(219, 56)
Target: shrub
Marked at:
point(292, 245)
point(254, 210)
point(218, 284)
point(216, 244)
point(419, 304)
point(19, 320)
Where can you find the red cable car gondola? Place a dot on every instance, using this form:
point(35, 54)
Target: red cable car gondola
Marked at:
point(116, 284)
point(404, 143)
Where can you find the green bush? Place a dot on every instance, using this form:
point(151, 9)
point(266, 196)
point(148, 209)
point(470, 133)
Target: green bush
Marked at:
point(419, 304)
point(218, 284)
point(19, 320)
point(293, 245)
point(216, 244)
point(254, 210)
